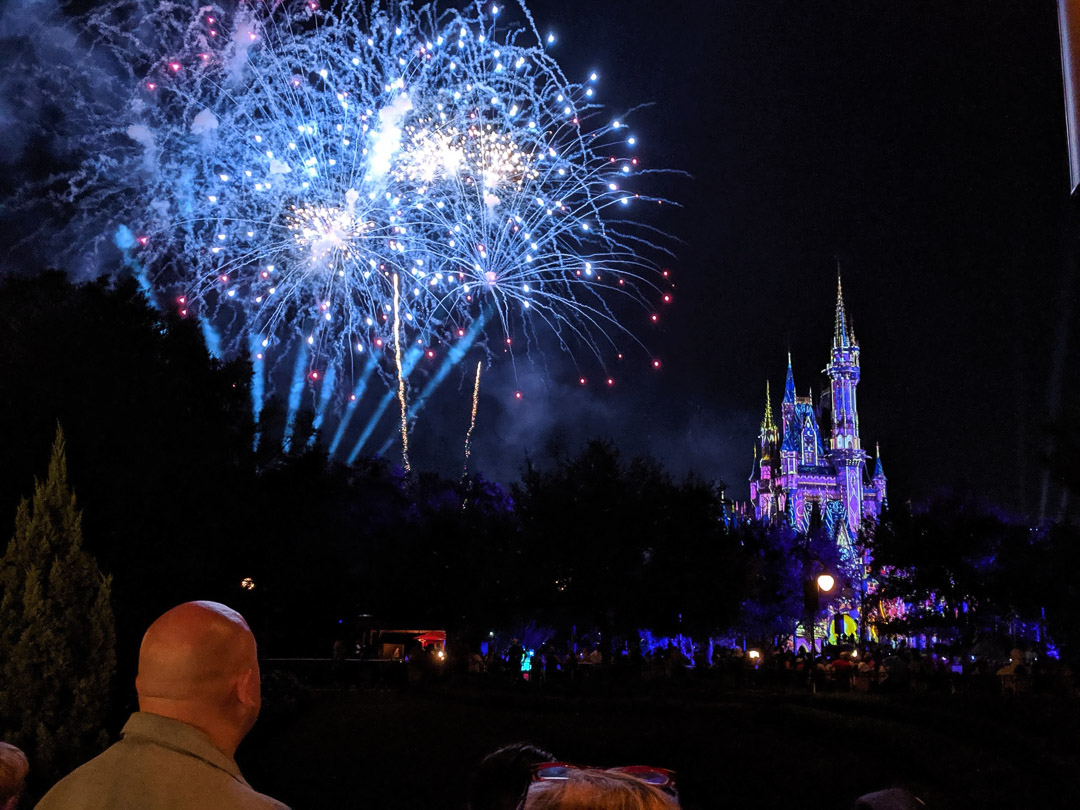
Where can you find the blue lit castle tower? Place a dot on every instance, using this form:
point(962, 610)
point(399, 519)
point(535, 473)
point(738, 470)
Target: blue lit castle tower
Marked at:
point(798, 469)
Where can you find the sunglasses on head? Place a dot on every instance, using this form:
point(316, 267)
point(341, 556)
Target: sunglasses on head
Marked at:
point(660, 778)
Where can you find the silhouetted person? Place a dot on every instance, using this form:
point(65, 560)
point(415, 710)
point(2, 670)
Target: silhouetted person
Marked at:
point(199, 696)
point(503, 776)
point(13, 770)
point(514, 658)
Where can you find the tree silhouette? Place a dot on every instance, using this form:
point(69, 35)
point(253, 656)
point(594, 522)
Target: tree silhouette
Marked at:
point(57, 636)
point(622, 546)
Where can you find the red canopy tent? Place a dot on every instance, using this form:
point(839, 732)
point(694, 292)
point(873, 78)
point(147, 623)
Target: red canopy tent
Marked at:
point(437, 637)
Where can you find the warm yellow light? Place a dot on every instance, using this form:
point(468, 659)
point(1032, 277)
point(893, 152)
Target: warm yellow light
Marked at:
point(247, 583)
point(754, 654)
point(826, 582)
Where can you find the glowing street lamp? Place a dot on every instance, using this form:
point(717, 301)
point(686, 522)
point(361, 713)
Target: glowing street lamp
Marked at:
point(814, 588)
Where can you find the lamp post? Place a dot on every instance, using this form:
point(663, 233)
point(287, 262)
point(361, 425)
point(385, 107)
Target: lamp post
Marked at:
point(823, 584)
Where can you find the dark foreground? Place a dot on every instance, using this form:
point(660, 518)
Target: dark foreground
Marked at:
point(414, 747)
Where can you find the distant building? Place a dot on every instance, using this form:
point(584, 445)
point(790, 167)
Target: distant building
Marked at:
point(797, 468)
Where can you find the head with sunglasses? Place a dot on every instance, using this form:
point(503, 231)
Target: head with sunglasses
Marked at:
point(561, 786)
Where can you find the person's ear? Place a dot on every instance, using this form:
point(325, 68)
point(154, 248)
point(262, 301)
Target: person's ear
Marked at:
point(248, 689)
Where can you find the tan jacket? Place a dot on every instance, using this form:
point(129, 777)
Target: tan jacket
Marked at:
point(159, 764)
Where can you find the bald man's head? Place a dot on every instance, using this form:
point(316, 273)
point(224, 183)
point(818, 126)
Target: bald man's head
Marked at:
point(198, 664)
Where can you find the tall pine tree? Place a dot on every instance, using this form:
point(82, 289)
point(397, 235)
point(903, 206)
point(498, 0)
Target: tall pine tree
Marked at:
point(57, 634)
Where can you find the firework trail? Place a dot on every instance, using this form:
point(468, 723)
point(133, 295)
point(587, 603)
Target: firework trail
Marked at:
point(295, 176)
point(472, 422)
point(401, 379)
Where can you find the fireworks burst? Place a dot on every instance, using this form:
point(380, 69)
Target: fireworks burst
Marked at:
point(281, 164)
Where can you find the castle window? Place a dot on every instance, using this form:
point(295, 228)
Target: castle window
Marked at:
point(809, 447)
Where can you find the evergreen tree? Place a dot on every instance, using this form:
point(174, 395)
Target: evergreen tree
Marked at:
point(57, 635)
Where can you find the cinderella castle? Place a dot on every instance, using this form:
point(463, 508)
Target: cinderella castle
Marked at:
point(799, 469)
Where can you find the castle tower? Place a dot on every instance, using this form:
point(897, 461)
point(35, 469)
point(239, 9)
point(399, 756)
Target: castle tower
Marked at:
point(764, 490)
point(767, 489)
point(789, 454)
point(845, 447)
point(879, 480)
point(790, 422)
point(769, 434)
point(787, 409)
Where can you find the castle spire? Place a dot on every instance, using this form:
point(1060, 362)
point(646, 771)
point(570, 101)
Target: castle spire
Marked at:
point(789, 386)
point(879, 471)
point(842, 335)
point(768, 427)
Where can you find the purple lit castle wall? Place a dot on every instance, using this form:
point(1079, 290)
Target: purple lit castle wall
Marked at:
point(799, 468)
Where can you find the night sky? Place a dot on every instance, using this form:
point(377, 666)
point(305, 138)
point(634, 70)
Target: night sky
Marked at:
point(921, 143)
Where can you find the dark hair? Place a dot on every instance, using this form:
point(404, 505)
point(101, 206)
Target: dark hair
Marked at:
point(503, 776)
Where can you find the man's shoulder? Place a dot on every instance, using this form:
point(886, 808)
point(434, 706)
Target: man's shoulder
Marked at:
point(247, 798)
point(235, 793)
point(260, 801)
point(86, 780)
point(79, 794)
point(131, 773)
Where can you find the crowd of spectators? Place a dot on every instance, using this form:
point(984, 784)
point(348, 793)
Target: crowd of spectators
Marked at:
point(843, 666)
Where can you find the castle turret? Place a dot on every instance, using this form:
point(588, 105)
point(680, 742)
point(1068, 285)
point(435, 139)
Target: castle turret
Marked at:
point(764, 488)
point(769, 433)
point(789, 450)
point(769, 438)
point(789, 390)
point(879, 480)
point(843, 371)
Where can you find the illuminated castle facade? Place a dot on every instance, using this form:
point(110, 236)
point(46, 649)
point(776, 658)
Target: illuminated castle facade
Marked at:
point(798, 469)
